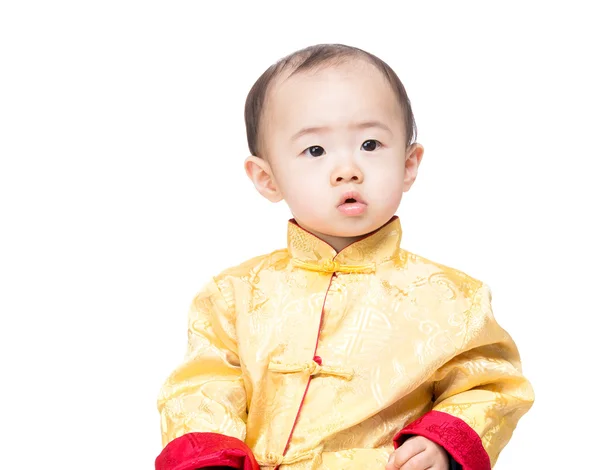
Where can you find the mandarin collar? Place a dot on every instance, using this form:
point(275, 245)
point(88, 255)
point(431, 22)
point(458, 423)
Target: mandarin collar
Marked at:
point(363, 256)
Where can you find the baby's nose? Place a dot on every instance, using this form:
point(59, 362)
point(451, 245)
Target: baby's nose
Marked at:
point(348, 173)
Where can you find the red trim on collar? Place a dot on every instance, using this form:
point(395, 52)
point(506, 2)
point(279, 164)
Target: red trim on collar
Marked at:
point(366, 235)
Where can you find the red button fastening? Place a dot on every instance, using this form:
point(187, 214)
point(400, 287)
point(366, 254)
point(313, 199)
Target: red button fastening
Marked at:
point(318, 360)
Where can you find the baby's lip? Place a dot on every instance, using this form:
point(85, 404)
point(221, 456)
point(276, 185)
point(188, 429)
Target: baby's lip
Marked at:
point(351, 195)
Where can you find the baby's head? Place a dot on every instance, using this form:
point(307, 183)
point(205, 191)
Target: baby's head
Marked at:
point(331, 131)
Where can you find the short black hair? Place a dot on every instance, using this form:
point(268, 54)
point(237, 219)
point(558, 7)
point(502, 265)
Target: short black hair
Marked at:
point(311, 58)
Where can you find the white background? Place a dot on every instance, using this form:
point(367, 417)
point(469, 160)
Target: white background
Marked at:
point(122, 191)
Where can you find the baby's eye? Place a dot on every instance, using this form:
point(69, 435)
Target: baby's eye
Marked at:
point(370, 145)
point(315, 151)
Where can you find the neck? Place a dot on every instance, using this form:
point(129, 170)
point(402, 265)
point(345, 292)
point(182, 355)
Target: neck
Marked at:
point(337, 243)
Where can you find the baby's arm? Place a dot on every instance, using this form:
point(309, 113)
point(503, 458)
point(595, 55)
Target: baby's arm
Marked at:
point(479, 395)
point(203, 403)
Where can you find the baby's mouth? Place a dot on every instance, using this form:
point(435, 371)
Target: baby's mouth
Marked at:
point(351, 197)
point(351, 204)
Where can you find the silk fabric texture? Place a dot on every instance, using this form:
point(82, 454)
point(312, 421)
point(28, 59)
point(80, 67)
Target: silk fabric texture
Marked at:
point(316, 359)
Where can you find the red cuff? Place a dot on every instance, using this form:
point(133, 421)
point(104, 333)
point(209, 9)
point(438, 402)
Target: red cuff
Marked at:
point(453, 434)
point(205, 450)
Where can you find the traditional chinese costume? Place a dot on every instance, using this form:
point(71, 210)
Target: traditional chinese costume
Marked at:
point(311, 359)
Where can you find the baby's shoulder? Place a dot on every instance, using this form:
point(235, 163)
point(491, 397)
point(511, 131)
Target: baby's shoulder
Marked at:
point(278, 259)
point(422, 270)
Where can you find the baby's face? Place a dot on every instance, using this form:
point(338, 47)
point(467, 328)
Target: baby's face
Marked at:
point(336, 145)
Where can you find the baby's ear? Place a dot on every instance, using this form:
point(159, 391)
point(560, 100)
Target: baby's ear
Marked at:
point(260, 173)
point(414, 155)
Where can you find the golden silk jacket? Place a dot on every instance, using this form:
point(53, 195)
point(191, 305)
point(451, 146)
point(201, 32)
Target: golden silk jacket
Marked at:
point(321, 360)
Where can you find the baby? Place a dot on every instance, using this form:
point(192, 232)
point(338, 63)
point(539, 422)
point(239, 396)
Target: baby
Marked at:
point(342, 351)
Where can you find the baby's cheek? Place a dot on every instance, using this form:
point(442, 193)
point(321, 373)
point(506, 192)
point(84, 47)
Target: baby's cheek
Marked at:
point(308, 196)
point(389, 196)
point(389, 178)
point(305, 202)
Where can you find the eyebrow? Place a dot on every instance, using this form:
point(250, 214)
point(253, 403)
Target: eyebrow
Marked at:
point(322, 129)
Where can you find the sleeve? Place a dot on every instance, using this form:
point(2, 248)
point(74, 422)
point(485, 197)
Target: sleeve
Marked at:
point(479, 395)
point(203, 402)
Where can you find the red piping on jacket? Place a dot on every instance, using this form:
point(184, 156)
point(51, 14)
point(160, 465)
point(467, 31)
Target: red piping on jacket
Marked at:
point(317, 360)
point(315, 357)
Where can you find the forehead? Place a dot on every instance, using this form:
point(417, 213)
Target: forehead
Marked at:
point(331, 95)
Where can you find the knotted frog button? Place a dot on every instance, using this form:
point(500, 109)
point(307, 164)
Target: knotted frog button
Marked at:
point(330, 265)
